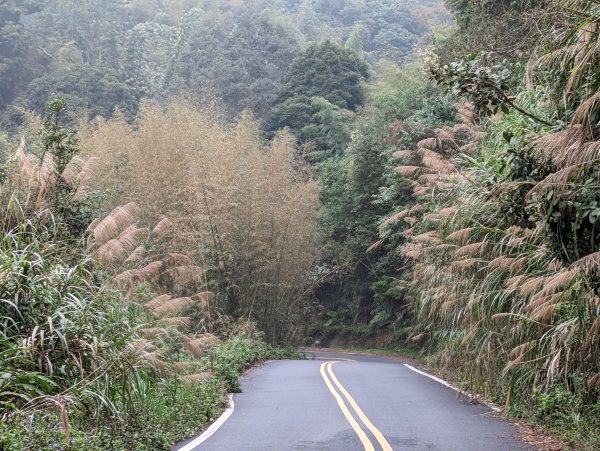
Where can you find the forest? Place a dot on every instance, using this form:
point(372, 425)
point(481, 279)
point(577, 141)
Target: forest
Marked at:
point(191, 187)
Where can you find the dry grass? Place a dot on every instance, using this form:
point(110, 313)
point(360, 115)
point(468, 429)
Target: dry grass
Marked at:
point(231, 202)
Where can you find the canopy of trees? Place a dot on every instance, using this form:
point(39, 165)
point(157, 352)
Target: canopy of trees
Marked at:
point(113, 53)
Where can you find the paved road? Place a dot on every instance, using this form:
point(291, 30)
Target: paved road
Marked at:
point(371, 403)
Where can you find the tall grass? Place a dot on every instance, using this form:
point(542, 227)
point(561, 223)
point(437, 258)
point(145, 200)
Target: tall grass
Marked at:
point(85, 364)
point(492, 289)
point(244, 210)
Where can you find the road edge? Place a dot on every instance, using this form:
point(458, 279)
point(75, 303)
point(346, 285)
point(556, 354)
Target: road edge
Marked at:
point(213, 428)
point(494, 407)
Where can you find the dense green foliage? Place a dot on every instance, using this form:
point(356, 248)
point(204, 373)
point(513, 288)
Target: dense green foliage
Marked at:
point(109, 54)
point(324, 86)
point(490, 244)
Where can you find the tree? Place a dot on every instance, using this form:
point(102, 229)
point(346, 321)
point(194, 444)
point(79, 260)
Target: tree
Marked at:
point(329, 71)
point(323, 89)
point(18, 61)
point(240, 57)
point(93, 91)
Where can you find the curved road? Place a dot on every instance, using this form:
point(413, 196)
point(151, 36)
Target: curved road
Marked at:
point(368, 403)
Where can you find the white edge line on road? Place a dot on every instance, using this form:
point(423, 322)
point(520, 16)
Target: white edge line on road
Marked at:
point(494, 407)
point(212, 429)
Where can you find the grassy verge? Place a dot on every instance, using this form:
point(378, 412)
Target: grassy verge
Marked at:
point(553, 419)
point(162, 413)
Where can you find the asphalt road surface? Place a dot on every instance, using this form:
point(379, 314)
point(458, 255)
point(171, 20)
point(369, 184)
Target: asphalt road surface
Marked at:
point(363, 403)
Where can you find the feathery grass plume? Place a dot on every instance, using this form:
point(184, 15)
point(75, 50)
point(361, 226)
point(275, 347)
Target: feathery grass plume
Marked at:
point(501, 262)
point(206, 296)
point(395, 218)
point(518, 264)
point(514, 282)
point(469, 335)
point(142, 344)
point(207, 340)
point(518, 231)
point(404, 154)
point(71, 170)
point(584, 112)
point(470, 249)
point(185, 274)
point(461, 235)
point(154, 360)
point(153, 333)
point(557, 181)
point(134, 277)
point(87, 171)
point(461, 265)
point(158, 301)
point(193, 379)
point(137, 255)
point(561, 148)
point(500, 317)
point(411, 183)
point(418, 338)
point(127, 279)
point(558, 282)
point(162, 228)
point(181, 323)
point(118, 249)
point(429, 143)
point(501, 189)
point(593, 335)
point(435, 161)
point(466, 113)
point(537, 302)
point(446, 133)
point(520, 350)
point(555, 266)
point(194, 347)
point(432, 217)
point(543, 313)
point(428, 237)
point(409, 171)
point(417, 209)
point(447, 212)
point(468, 149)
point(447, 305)
point(375, 247)
point(119, 219)
point(532, 285)
point(516, 242)
point(172, 307)
point(183, 368)
point(445, 187)
point(151, 271)
point(408, 232)
point(175, 259)
point(588, 264)
point(412, 251)
point(421, 191)
point(441, 247)
point(430, 179)
point(27, 165)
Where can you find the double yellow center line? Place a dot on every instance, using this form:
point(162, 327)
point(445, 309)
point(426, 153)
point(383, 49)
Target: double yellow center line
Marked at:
point(329, 376)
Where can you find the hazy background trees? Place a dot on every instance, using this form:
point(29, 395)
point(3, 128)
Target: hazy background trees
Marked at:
point(102, 55)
